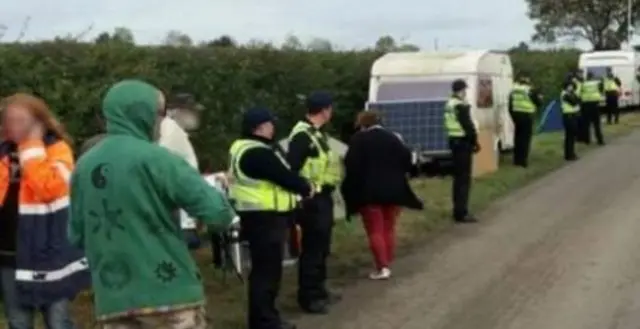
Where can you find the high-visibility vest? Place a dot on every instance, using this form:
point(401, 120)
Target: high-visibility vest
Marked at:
point(578, 85)
point(249, 194)
point(520, 99)
point(451, 123)
point(610, 85)
point(590, 91)
point(324, 169)
point(566, 107)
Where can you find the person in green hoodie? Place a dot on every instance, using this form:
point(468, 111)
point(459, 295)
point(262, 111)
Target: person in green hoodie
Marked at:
point(123, 193)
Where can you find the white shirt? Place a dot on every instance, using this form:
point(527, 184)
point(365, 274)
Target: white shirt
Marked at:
point(176, 140)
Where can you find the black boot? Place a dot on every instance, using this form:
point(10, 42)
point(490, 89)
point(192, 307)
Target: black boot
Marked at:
point(315, 307)
point(287, 325)
point(468, 219)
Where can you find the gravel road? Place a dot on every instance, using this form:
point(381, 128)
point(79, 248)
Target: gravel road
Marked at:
point(562, 253)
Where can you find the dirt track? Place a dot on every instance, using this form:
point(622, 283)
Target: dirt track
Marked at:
point(563, 253)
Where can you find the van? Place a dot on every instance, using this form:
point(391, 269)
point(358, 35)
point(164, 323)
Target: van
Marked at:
point(410, 90)
point(623, 63)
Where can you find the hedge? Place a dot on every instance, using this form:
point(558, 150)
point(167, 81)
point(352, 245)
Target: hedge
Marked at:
point(73, 76)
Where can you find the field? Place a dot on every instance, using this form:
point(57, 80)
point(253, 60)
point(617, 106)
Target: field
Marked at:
point(350, 260)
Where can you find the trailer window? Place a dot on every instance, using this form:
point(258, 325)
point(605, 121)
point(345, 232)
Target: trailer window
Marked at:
point(418, 90)
point(598, 72)
point(485, 93)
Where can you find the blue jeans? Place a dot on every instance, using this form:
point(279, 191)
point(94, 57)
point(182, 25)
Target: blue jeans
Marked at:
point(56, 315)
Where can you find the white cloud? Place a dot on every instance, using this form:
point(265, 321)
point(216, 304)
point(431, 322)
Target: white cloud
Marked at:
point(351, 23)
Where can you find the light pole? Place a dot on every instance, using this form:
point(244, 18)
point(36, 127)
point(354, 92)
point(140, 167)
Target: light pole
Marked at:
point(629, 22)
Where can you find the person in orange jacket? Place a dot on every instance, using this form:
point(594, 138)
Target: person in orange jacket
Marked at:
point(40, 272)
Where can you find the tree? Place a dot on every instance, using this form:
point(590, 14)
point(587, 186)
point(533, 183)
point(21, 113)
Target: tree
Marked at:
point(385, 44)
point(604, 23)
point(176, 38)
point(123, 34)
point(319, 44)
point(257, 43)
point(292, 43)
point(103, 37)
point(119, 34)
point(222, 41)
point(521, 47)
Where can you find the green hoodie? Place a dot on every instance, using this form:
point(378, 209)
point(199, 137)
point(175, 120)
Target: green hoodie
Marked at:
point(123, 193)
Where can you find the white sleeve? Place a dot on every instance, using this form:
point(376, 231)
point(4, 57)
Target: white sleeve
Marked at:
point(189, 153)
point(177, 141)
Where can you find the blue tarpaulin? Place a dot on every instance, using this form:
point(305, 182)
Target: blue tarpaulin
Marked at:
point(551, 119)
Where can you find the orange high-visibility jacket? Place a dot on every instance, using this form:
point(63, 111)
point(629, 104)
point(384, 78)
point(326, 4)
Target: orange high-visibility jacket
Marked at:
point(48, 268)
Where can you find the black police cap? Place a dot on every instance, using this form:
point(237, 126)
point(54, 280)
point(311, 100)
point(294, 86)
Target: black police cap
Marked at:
point(458, 85)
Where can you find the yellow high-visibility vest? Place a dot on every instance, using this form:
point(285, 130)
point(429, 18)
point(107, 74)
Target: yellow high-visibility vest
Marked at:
point(451, 123)
point(248, 194)
point(520, 99)
point(326, 168)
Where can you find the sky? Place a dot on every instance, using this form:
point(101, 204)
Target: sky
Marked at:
point(448, 24)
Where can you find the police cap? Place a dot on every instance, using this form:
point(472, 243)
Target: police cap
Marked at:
point(458, 85)
point(254, 117)
point(318, 101)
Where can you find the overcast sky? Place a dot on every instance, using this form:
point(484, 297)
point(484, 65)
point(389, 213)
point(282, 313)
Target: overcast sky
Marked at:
point(349, 23)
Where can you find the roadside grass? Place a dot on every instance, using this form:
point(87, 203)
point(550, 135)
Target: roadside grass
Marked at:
point(350, 256)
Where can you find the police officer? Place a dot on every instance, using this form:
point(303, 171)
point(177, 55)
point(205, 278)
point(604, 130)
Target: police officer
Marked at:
point(310, 154)
point(463, 142)
point(263, 191)
point(523, 103)
point(591, 94)
point(611, 85)
point(570, 112)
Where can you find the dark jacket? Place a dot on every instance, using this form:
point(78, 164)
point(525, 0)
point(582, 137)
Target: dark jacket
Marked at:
point(376, 167)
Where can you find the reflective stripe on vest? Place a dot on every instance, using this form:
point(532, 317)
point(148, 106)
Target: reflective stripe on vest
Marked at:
point(248, 194)
point(566, 107)
point(451, 123)
point(326, 168)
point(590, 91)
point(521, 101)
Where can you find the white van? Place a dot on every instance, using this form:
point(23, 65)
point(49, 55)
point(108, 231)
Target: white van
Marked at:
point(623, 63)
point(411, 88)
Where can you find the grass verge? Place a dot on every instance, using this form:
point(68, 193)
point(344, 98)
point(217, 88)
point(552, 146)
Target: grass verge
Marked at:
point(227, 301)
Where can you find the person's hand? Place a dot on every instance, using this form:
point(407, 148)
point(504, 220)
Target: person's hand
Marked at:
point(476, 148)
point(222, 179)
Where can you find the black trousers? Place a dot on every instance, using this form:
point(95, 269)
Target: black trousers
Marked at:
point(523, 123)
point(570, 122)
point(612, 109)
point(462, 156)
point(590, 112)
point(266, 233)
point(316, 223)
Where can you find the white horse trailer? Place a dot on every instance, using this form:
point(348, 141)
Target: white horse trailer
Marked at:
point(411, 88)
